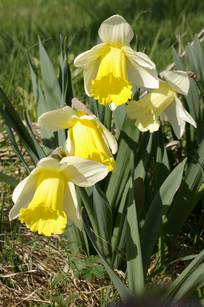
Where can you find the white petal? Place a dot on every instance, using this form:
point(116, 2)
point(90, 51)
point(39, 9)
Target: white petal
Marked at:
point(110, 140)
point(178, 116)
point(56, 119)
point(178, 80)
point(139, 58)
point(183, 114)
point(49, 163)
point(89, 56)
point(83, 172)
point(18, 189)
point(141, 76)
point(112, 106)
point(69, 146)
point(71, 205)
point(151, 128)
point(115, 30)
point(89, 117)
point(90, 72)
point(22, 195)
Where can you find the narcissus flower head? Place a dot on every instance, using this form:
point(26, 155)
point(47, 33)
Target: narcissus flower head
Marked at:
point(46, 198)
point(86, 138)
point(112, 68)
point(163, 103)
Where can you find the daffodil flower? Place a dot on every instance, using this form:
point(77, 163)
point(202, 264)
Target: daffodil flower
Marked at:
point(163, 103)
point(86, 138)
point(112, 68)
point(46, 198)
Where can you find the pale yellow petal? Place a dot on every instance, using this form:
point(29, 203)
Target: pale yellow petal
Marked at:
point(22, 195)
point(83, 172)
point(89, 56)
point(115, 31)
point(56, 119)
point(178, 79)
point(110, 139)
point(71, 205)
point(140, 71)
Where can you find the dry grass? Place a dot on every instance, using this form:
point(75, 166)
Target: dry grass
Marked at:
point(41, 274)
point(38, 271)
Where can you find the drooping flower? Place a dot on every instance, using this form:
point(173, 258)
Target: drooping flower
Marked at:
point(163, 103)
point(46, 198)
point(86, 138)
point(112, 68)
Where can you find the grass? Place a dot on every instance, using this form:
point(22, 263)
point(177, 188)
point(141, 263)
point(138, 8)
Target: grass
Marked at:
point(42, 272)
point(158, 25)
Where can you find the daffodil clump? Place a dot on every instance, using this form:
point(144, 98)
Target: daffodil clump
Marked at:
point(46, 199)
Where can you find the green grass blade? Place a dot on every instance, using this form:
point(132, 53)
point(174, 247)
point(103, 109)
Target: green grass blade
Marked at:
point(10, 180)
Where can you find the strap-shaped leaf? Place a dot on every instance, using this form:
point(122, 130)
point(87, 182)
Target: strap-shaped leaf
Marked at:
point(191, 277)
point(65, 80)
point(188, 195)
point(17, 150)
point(12, 119)
point(134, 254)
point(127, 141)
point(103, 217)
point(158, 211)
point(120, 286)
point(51, 84)
point(177, 60)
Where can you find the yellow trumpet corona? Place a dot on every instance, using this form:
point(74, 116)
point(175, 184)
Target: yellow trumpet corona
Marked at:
point(112, 68)
point(46, 198)
point(86, 138)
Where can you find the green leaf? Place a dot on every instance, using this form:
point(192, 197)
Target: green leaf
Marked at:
point(119, 117)
point(52, 91)
point(134, 254)
point(103, 218)
point(200, 57)
point(177, 60)
point(10, 180)
point(158, 211)
point(127, 140)
point(190, 278)
point(17, 149)
point(12, 120)
point(65, 80)
point(188, 195)
point(120, 286)
point(51, 84)
point(49, 138)
point(39, 149)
